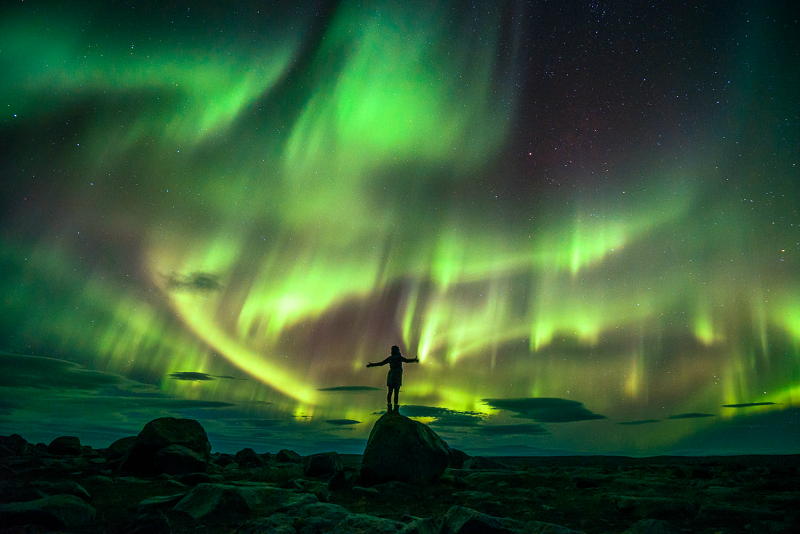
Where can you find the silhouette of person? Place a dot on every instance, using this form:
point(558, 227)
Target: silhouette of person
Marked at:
point(395, 378)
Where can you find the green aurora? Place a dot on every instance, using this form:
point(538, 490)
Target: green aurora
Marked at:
point(270, 198)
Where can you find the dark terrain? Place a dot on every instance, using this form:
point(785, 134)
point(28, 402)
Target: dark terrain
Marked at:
point(728, 494)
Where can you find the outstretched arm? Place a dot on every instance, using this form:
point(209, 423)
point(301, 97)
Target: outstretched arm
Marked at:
point(415, 360)
point(384, 362)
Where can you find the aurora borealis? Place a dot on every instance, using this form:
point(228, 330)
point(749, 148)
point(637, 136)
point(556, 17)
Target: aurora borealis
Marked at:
point(582, 217)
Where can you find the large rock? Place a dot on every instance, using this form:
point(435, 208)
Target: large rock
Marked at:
point(248, 459)
point(160, 434)
point(323, 463)
point(367, 524)
point(57, 511)
point(179, 460)
point(13, 445)
point(65, 446)
point(119, 448)
point(402, 449)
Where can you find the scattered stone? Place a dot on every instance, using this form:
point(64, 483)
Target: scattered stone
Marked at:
point(323, 463)
point(247, 459)
point(279, 523)
point(367, 524)
point(65, 446)
point(68, 487)
point(539, 527)
point(338, 481)
point(420, 526)
point(159, 434)
point(285, 456)
point(481, 462)
point(319, 517)
point(402, 449)
point(178, 460)
point(153, 522)
point(56, 511)
point(461, 520)
point(228, 501)
point(193, 479)
point(160, 501)
point(650, 526)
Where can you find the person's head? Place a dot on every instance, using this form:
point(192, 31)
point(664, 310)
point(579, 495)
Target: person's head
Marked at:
point(395, 349)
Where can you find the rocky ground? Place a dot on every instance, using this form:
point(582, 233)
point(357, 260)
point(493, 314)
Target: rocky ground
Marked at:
point(66, 487)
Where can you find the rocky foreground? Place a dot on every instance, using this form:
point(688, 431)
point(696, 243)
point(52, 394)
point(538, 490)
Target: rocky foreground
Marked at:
point(167, 480)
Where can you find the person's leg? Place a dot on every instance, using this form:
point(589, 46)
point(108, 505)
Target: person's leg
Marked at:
point(389, 400)
point(396, 395)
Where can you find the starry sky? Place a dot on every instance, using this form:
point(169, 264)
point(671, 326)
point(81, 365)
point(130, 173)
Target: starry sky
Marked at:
point(581, 216)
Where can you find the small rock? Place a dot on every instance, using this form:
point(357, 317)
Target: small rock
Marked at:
point(68, 487)
point(285, 456)
point(461, 520)
point(153, 522)
point(56, 511)
point(247, 459)
point(193, 479)
point(275, 524)
point(539, 527)
point(222, 459)
point(65, 446)
point(481, 462)
point(160, 501)
point(367, 524)
point(650, 526)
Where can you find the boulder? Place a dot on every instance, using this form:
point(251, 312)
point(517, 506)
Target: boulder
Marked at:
point(13, 445)
point(323, 463)
point(119, 448)
point(56, 511)
point(178, 460)
point(159, 434)
point(65, 446)
point(223, 459)
point(247, 458)
point(285, 456)
point(461, 520)
point(402, 449)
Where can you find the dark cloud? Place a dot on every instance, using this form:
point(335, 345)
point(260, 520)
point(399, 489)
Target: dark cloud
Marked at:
point(444, 417)
point(508, 430)
point(747, 404)
point(640, 422)
point(691, 415)
point(195, 283)
point(349, 389)
point(264, 423)
point(20, 371)
point(341, 422)
point(545, 409)
point(191, 376)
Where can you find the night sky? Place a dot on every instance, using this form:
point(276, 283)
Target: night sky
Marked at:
point(582, 216)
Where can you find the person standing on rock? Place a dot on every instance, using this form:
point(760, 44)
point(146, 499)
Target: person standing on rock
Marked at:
point(395, 378)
